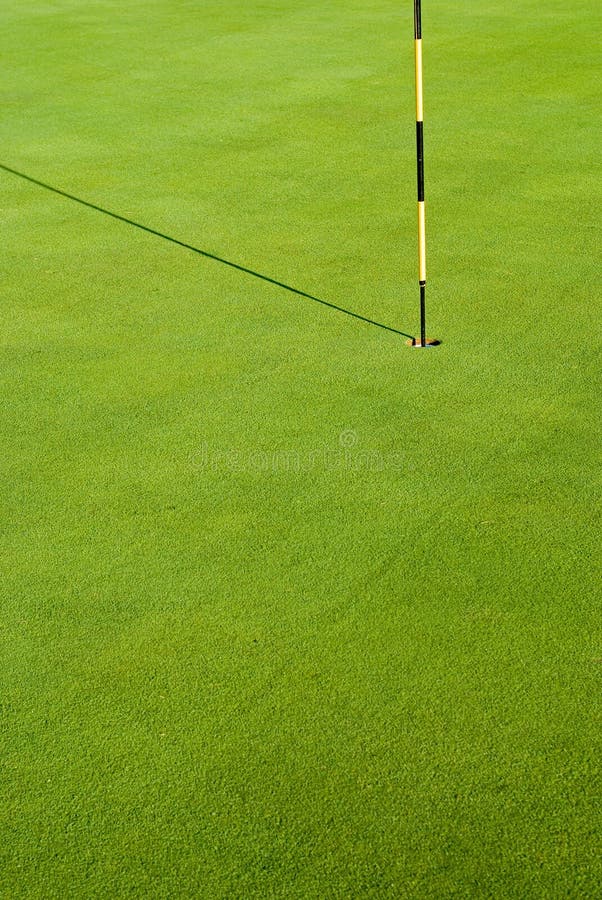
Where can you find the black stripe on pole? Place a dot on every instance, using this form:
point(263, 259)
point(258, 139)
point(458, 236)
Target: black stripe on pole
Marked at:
point(417, 20)
point(420, 159)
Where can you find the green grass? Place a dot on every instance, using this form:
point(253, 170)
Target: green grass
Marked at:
point(288, 609)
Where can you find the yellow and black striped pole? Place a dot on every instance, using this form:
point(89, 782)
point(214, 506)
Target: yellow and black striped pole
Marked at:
point(424, 341)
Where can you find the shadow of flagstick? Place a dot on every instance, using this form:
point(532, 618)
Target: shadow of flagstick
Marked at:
point(219, 259)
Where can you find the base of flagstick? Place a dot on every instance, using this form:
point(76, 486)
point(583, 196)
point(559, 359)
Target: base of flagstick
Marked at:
point(429, 342)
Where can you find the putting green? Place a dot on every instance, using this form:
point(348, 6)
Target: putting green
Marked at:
point(288, 609)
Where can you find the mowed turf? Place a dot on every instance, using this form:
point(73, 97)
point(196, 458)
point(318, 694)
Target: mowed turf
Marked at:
point(288, 609)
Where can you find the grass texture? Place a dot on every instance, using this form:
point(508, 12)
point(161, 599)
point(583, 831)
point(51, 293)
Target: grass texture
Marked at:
point(289, 610)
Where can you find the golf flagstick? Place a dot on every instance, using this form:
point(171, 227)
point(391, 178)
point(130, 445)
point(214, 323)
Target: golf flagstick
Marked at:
point(424, 341)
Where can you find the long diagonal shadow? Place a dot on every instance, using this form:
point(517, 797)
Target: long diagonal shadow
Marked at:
point(225, 262)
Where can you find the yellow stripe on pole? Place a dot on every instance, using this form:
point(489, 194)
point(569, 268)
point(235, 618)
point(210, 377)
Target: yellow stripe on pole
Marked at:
point(418, 61)
point(421, 242)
